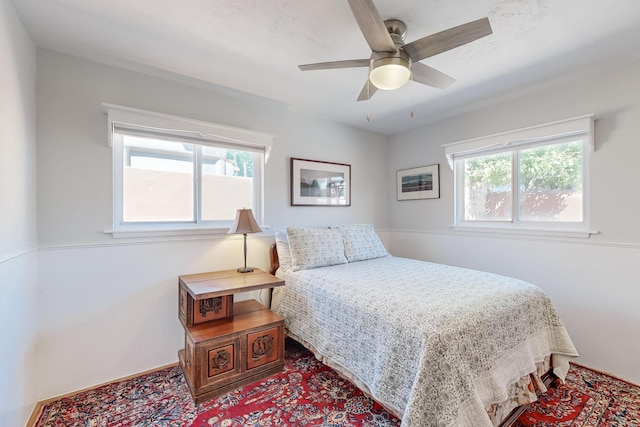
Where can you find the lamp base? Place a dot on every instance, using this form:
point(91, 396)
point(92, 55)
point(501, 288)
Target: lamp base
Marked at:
point(245, 270)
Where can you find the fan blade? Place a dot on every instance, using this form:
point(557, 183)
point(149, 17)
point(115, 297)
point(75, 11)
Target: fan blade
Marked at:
point(447, 39)
point(372, 26)
point(335, 64)
point(430, 76)
point(367, 91)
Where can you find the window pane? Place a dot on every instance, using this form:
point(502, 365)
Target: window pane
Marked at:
point(550, 183)
point(227, 182)
point(157, 180)
point(487, 188)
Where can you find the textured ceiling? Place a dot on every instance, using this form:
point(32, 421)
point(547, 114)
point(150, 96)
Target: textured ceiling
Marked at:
point(254, 46)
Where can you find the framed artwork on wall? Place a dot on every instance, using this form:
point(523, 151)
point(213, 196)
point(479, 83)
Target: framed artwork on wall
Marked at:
point(317, 183)
point(418, 183)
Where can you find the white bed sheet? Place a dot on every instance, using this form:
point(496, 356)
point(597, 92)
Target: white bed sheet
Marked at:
point(435, 344)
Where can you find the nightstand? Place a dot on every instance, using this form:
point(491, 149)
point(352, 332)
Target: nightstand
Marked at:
point(227, 344)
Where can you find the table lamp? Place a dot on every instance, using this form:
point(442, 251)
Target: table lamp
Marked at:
point(244, 223)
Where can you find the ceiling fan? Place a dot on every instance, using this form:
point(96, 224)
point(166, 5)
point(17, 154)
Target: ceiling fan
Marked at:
point(392, 62)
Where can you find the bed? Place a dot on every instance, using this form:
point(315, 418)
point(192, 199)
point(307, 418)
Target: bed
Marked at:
point(436, 345)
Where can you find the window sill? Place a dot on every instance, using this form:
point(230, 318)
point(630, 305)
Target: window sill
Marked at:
point(521, 231)
point(166, 232)
point(126, 233)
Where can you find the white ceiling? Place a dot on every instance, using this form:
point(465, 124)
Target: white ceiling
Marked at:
point(254, 46)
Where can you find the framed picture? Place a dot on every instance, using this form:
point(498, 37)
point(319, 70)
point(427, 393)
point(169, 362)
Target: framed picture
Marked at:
point(315, 183)
point(418, 183)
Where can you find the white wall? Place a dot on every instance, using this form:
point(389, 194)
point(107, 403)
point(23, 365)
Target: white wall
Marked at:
point(109, 306)
point(595, 283)
point(18, 259)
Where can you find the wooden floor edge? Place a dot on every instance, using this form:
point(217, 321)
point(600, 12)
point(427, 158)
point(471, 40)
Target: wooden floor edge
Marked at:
point(35, 414)
point(37, 409)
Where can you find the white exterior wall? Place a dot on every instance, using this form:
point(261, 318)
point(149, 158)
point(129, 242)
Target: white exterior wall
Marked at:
point(595, 283)
point(18, 257)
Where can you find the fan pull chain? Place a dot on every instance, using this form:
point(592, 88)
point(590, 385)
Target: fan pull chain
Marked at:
point(413, 100)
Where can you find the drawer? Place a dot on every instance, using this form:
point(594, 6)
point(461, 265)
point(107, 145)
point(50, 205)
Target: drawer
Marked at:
point(221, 360)
point(263, 347)
point(193, 312)
point(215, 362)
point(214, 308)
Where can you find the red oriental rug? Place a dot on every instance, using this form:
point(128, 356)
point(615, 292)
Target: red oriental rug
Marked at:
point(308, 393)
point(587, 399)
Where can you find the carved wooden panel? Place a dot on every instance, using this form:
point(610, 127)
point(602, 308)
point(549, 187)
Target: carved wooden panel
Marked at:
point(197, 311)
point(221, 360)
point(208, 309)
point(182, 305)
point(188, 353)
point(262, 347)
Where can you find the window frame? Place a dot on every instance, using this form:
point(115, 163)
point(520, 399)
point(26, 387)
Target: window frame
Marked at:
point(513, 142)
point(124, 120)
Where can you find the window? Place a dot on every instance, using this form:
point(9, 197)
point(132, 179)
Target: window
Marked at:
point(177, 175)
point(531, 179)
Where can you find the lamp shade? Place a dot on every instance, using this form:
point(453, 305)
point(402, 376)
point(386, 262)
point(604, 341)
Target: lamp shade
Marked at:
point(244, 223)
point(389, 71)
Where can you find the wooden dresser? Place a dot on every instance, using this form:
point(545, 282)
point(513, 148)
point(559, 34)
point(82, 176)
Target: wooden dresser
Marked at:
point(227, 344)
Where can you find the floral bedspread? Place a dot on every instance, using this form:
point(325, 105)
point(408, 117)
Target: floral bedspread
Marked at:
point(435, 344)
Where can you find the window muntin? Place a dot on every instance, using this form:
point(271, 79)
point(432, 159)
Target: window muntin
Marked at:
point(539, 184)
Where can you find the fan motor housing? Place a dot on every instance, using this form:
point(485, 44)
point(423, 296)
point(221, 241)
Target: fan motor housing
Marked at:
point(397, 30)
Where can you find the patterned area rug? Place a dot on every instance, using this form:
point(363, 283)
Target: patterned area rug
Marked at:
point(308, 393)
point(587, 399)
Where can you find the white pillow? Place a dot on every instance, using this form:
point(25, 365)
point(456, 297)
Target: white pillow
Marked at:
point(361, 242)
point(315, 247)
point(284, 251)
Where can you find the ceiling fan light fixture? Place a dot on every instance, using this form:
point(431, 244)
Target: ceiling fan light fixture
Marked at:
point(391, 71)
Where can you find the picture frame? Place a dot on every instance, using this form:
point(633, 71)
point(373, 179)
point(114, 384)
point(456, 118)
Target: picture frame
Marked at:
point(318, 183)
point(418, 183)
